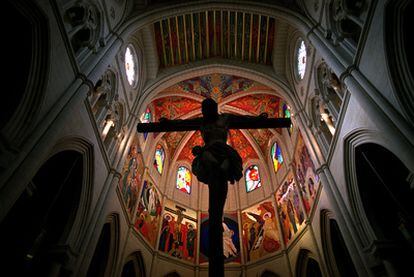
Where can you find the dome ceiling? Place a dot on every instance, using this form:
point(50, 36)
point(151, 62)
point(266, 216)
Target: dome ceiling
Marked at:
point(235, 95)
point(215, 33)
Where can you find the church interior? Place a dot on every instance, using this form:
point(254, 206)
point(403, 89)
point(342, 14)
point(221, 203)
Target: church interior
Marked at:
point(82, 193)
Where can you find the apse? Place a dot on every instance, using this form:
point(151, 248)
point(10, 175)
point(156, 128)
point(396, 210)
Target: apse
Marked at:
point(265, 211)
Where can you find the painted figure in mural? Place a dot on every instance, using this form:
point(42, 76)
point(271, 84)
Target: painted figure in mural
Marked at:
point(191, 235)
point(228, 246)
point(216, 163)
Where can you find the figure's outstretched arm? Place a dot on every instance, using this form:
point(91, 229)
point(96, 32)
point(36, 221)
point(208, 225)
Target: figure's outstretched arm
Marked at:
point(256, 122)
point(170, 125)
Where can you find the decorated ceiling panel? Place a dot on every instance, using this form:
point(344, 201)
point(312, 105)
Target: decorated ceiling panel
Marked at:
point(217, 33)
point(186, 154)
point(174, 107)
point(259, 103)
point(173, 139)
point(262, 137)
point(216, 86)
point(239, 142)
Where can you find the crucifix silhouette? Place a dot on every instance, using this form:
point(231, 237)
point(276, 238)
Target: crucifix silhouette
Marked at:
point(216, 163)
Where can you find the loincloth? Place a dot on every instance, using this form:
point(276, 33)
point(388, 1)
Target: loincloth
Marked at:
point(220, 151)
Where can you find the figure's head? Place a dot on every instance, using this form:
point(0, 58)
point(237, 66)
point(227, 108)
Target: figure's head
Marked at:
point(209, 108)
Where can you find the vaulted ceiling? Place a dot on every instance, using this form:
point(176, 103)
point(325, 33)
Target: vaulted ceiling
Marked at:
point(235, 95)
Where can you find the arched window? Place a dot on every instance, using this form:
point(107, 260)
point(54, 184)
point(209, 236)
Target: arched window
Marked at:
point(134, 266)
point(287, 114)
point(252, 178)
point(301, 60)
point(159, 158)
point(277, 158)
point(146, 118)
point(183, 182)
point(131, 65)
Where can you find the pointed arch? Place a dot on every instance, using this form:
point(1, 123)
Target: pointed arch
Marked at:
point(134, 265)
point(307, 265)
point(398, 19)
point(106, 251)
point(18, 117)
point(337, 256)
point(56, 206)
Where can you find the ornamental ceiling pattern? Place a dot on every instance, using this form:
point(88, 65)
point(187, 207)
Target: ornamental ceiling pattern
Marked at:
point(215, 33)
point(259, 103)
point(174, 107)
point(216, 86)
point(178, 101)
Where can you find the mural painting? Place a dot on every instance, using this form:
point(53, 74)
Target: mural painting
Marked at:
point(178, 236)
point(148, 212)
point(231, 241)
point(130, 182)
point(291, 214)
point(306, 175)
point(260, 232)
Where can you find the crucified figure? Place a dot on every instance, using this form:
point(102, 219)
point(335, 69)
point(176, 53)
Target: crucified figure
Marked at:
point(216, 163)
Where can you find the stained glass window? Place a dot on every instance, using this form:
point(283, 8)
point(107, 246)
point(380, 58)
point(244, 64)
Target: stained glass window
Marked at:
point(146, 118)
point(252, 178)
point(277, 158)
point(184, 179)
point(159, 158)
point(301, 60)
point(131, 65)
point(287, 114)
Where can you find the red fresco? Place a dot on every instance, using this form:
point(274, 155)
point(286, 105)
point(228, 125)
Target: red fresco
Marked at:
point(173, 139)
point(242, 145)
point(258, 103)
point(173, 107)
point(186, 154)
point(262, 137)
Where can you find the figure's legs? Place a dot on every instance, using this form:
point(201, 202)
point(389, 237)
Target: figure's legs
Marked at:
point(217, 198)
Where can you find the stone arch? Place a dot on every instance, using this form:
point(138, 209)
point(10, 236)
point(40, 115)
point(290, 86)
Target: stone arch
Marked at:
point(81, 145)
point(307, 265)
point(106, 251)
point(28, 72)
point(371, 184)
point(400, 58)
point(357, 138)
point(134, 266)
point(337, 257)
point(53, 209)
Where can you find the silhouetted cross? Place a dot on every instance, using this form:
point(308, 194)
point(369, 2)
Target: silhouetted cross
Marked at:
point(216, 163)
